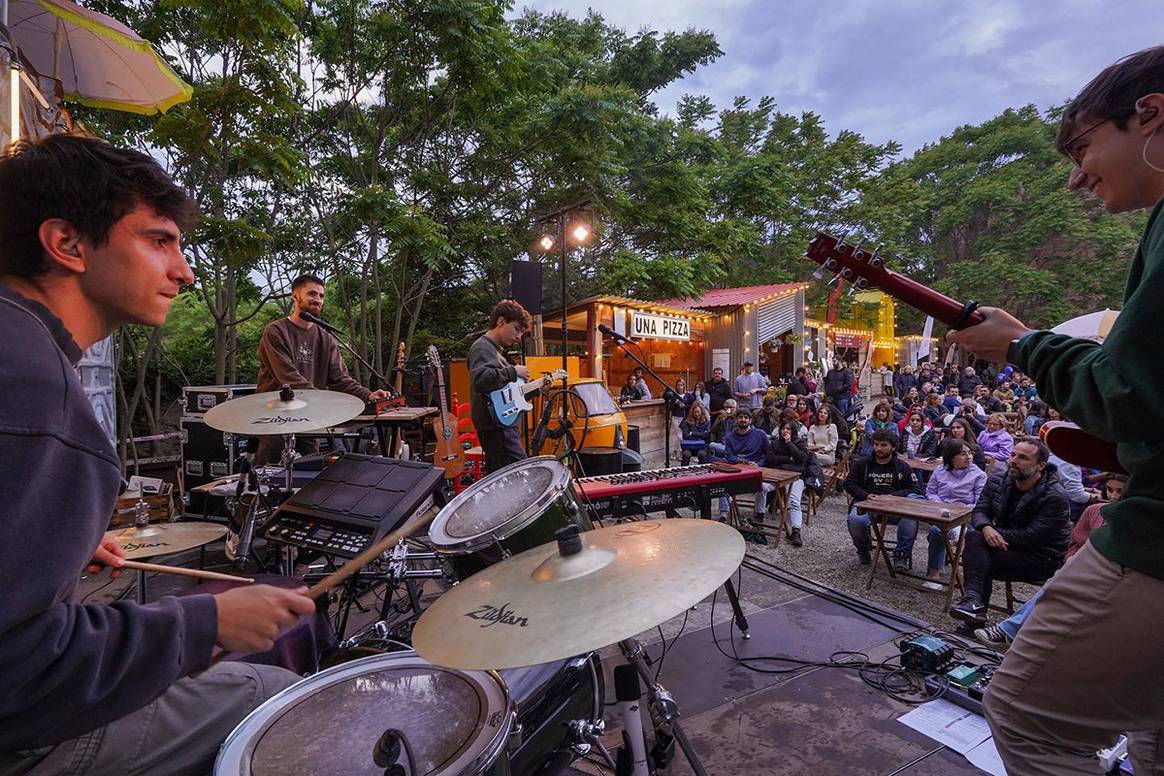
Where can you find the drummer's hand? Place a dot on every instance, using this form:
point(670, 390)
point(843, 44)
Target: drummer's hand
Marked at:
point(522, 371)
point(109, 553)
point(250, 617)
point(990, 339)
point(379, 395)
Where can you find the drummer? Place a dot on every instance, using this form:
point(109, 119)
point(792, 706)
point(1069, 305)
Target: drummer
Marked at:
point(296, 352)
point(89, 241)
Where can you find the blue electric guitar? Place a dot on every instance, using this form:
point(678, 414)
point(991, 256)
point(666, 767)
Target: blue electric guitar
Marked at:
point(509, 401)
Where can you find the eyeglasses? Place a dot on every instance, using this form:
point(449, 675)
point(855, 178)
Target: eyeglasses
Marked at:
point(1069, 146)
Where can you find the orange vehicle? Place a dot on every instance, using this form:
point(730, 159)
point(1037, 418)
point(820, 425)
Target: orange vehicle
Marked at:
point(597, 419)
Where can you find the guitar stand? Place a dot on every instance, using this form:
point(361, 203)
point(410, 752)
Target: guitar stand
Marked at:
point(664, 710)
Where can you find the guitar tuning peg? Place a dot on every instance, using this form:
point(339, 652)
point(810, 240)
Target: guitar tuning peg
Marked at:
point(875, 260)
point(834, 280)
point(860, 283)
point(841, 240)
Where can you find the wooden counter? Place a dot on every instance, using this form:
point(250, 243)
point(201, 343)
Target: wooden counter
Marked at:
point(649, 416)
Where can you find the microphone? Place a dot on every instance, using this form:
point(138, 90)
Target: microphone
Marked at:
point(602, 327)
point(539, 434)
point(310, 318)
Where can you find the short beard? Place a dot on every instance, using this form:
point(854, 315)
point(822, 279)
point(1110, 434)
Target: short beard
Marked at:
point(1022, 476)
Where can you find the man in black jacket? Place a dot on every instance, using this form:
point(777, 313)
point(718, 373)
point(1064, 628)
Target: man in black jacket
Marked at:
point(798, 387)
point(838, 385)
point(1019, 529)
point(719, 390)
point(881, 474)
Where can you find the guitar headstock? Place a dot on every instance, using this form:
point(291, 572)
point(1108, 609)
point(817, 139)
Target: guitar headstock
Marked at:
point(434, 358)
point(849, 261)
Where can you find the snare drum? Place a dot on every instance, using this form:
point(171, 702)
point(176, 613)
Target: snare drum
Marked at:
point(454, 722)
point(512, 510)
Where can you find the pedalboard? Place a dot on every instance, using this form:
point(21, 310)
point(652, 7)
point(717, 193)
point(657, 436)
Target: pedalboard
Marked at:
point(927, 654)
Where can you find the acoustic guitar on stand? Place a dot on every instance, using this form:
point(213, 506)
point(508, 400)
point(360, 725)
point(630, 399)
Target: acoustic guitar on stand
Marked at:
point(863, 269)
point(449, 455)
point(399, 380)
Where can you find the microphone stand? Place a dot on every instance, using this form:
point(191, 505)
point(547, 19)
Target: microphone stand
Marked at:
point(669, 395)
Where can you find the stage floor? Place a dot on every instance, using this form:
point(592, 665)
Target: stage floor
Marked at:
point(815, 720)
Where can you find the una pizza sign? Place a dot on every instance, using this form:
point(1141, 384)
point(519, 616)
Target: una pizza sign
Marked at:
point(660, 327)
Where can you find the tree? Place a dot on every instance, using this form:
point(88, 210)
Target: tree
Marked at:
point(985, 214)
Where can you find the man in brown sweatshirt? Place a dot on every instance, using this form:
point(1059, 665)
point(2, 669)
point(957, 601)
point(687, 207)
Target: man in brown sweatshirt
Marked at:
point(302, 355)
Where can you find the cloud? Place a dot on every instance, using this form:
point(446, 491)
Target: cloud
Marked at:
point(905, 70)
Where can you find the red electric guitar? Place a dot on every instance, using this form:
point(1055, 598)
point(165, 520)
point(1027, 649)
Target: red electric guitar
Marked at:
point(863, 268)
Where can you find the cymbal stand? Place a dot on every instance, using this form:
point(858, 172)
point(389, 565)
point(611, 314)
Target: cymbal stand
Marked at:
point(664, 710)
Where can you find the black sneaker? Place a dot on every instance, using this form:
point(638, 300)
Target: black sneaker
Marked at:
point(993, 636)
point(900, 562)
point(796, 541)
point(865, 557)
point(970, 609)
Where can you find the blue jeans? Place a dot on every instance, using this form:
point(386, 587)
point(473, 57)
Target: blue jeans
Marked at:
point(761, 499)
point(937, 549)
point(717, 449)
point(843, 405)
point(859, 531)
point(1010, 626)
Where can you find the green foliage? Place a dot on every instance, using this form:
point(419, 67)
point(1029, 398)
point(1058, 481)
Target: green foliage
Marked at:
point(985, 214)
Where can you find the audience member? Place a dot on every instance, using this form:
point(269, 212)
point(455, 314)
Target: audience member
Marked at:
point(904, 381)
point(881, 418)
point(749, 387)
point(960, 428)
point(767, 418)
point(968, 382)
point(823, 436)
point(695, 427)
point(958, 482)
point(838, 385)
point(996, 442)
point(798, 387)
point(749, 446)
point(721, 426)
point(1004, 633)
point(631, 391)
point(719, 390)
point(918, 441)
point(882, 473)
point(1019, 529)
point(787, 451)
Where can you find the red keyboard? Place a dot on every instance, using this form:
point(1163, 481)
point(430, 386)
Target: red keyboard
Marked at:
point(655, 490)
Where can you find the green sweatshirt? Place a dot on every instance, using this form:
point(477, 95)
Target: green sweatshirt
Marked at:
point(1113, 391)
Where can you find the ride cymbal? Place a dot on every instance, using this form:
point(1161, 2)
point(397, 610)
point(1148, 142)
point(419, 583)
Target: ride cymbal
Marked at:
point(270, 414)
point(540, 606)
point(165, 538)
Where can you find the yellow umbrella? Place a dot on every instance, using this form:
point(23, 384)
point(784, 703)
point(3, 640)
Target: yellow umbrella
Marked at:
point(98, 60)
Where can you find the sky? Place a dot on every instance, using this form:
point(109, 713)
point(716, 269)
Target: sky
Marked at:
point(904, 70)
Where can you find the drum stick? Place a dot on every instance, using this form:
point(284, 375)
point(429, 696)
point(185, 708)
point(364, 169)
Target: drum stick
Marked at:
point(338, 576)
point(181, 571)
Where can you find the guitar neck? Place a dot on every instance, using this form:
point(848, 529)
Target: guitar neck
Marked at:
point(925, 299)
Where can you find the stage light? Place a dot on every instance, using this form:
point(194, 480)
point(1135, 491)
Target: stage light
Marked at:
point(547, 242)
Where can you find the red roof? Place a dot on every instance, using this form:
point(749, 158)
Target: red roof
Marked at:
point(731, 297)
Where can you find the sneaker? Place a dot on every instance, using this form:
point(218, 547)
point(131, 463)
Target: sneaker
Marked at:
point(933, 584)
point(900, 562)
point(865, 557)
point(795, 540)
point(992, 636)
point(231, 545)
point(970, 609)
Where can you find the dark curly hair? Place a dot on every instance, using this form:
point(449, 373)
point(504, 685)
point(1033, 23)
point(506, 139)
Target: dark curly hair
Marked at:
point(510, 311)
point(82, 180)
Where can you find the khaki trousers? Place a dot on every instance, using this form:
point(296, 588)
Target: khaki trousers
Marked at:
point(1088, 664)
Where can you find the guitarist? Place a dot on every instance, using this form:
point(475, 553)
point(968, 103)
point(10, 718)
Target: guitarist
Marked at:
point(489, 370)
point(1087, 664)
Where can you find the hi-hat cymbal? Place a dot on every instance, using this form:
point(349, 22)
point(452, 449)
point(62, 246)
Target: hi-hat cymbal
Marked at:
point(267, 414)
point(539, 606)
point(165, 538)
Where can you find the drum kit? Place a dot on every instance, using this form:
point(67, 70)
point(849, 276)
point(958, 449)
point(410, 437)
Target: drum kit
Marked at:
point(502, 674)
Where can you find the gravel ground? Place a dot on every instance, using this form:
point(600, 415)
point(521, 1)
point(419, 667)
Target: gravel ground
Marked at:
point(828, 557)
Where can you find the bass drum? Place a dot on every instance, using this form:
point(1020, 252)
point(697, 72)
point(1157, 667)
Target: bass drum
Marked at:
point(449, 723)
point(515, 509)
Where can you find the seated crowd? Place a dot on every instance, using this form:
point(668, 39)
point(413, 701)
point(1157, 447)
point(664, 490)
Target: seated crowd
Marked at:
point(1025, 500)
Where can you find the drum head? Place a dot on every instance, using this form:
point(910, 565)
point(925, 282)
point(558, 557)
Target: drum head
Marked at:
point(455, 721)
point(499, 506)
